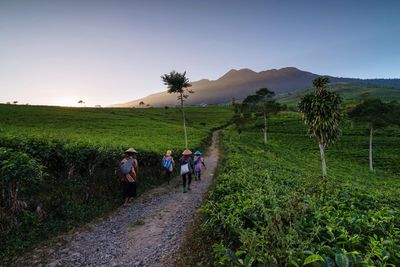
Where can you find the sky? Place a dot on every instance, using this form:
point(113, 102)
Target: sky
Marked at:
point(58, 52)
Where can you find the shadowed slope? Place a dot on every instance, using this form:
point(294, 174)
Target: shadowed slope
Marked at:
point(240, 83)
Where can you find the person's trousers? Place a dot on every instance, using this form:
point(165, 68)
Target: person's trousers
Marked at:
point(189, 179)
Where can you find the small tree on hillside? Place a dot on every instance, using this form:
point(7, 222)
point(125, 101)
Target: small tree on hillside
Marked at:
point(262, 103)
point(237, 117)
point(240, 121)
point(267, 106)
point(321, 113)
point(178, 83)
point(377, 114)
point(141, 104)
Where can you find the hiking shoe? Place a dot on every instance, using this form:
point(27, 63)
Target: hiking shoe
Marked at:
point(184, 190)
point(189, 188)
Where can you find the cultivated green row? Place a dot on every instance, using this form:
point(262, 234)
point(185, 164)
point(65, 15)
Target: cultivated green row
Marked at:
point(270, 206)
point(58, 166)
point(154, 129)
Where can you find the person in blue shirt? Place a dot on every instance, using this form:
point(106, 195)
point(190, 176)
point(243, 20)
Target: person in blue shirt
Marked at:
point(168, 164)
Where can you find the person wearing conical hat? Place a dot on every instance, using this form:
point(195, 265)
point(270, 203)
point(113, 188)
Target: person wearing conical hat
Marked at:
point(186, 169)
point(168, 164)
point(129, 169)
point(198, 165)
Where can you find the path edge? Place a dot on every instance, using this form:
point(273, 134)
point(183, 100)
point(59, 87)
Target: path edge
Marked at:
point(196, 246)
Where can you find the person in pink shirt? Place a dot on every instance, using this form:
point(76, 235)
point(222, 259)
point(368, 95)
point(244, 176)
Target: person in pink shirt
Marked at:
point(198, 165)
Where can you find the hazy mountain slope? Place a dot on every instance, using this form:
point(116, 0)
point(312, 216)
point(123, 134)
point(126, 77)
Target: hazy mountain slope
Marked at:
point(240, 83)
point(349, 92)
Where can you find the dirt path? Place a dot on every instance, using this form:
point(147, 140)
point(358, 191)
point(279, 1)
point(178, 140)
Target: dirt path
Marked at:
point(142, 234)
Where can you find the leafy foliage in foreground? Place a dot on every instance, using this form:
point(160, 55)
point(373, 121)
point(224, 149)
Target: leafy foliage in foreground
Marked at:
point(63, 162)
point(269, 207)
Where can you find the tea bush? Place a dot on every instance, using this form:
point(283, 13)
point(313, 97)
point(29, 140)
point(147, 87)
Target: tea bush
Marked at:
point(270, 206)
point(63, 163)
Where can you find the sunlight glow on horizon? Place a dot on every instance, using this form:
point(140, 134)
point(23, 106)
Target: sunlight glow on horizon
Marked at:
point(67, 101)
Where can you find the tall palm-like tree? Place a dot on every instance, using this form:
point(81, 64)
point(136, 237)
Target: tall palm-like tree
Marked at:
point(178, 83)
point(321, 113)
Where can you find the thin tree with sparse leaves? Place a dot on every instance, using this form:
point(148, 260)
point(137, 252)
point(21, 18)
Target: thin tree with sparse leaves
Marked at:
point(267, 106)
point(262, 103)
point(378, 115)
point(178, 83)
point(322, 114)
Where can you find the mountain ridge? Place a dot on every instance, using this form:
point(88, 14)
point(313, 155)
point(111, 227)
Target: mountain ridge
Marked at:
point(238, 83)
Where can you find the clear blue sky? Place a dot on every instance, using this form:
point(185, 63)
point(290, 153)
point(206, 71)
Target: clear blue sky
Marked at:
point(105, 52)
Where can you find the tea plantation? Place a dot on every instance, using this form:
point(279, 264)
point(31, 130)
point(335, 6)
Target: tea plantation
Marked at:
point(58, 166)
point(270, 206)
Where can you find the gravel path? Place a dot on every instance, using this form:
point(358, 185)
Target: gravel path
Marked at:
point(143, 234)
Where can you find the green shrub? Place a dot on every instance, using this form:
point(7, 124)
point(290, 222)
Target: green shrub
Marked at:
point(270, 208)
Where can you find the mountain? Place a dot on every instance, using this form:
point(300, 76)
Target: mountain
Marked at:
point(240, 83)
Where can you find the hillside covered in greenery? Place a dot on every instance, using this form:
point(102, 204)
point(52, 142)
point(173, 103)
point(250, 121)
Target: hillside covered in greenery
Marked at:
point(271, 207)
point(59, 166)
point(349, 92)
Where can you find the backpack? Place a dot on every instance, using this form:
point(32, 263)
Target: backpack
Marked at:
point(126, 167)
point(167, 162)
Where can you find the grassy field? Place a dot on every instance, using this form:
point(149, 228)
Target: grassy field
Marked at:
point(270, 207)
point(153, 129)
point(349, 93)
point(65, 162)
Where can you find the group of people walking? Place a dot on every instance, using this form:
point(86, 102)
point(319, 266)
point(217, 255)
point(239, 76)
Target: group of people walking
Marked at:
point(189, 166)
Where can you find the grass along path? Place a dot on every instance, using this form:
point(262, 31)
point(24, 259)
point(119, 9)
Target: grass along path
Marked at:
point(146, 233)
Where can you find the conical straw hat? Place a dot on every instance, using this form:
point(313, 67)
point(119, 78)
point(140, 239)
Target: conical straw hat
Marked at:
point(131, 150)
point(187, 152)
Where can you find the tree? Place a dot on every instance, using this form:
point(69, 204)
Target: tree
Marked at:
point(238, 119)
point(377, 114)
point(178, 83)
point(262, 103)
point(321, 113)
point(141, 103)
point(15, 102)
point(81, 102)
point(267, 105)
